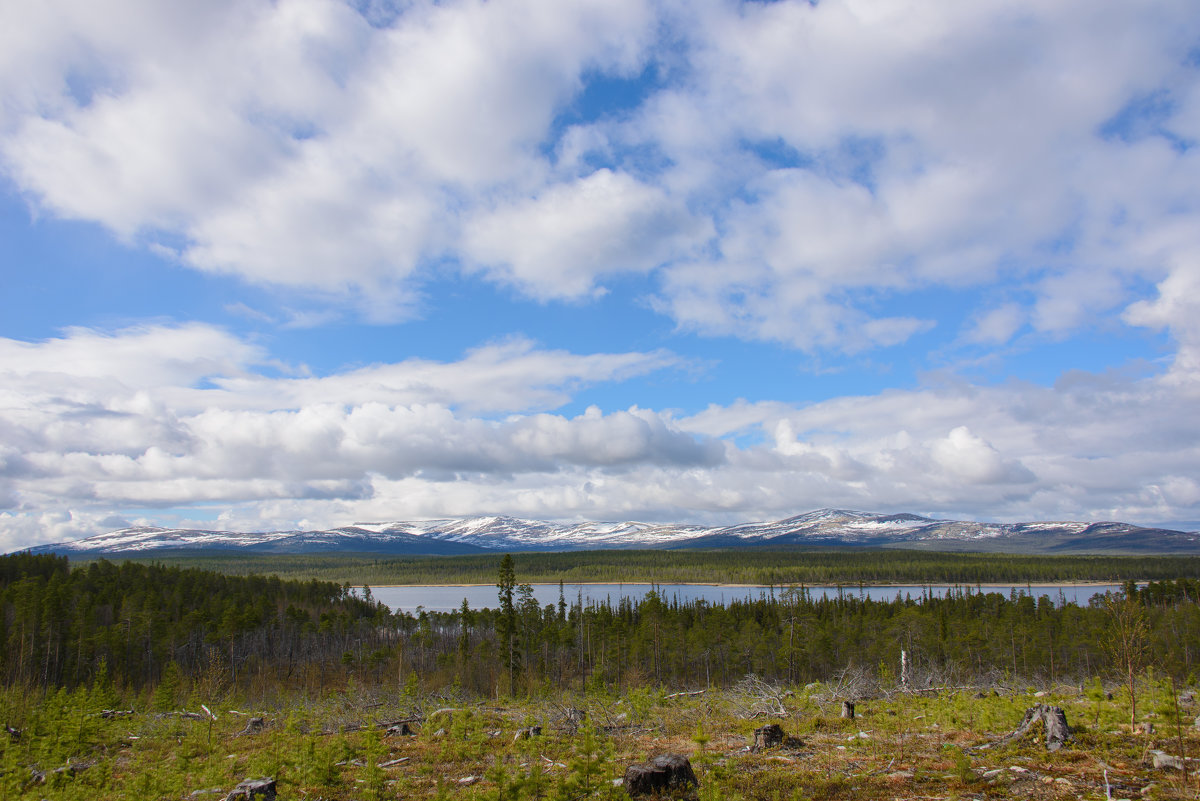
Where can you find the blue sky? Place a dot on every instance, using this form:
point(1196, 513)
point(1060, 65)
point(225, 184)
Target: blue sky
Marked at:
point(293, 264)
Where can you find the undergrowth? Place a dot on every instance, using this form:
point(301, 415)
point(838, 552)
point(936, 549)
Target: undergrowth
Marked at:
point(335, 746)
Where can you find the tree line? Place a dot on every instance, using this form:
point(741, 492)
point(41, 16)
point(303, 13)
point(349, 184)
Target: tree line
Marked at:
point(59, 625)
point(760, 566)
point(141, 624)
point(795, 637)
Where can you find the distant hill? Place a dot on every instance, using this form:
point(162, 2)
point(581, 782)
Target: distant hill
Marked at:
point(820, 528)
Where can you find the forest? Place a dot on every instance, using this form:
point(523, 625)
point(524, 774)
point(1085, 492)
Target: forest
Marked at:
point(758, 566)
point(159, 638)
point(60, 624)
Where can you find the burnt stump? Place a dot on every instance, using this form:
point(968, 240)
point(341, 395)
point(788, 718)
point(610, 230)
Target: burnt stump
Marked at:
point(660, 774)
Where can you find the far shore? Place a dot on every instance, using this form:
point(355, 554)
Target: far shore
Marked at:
point(848, 584)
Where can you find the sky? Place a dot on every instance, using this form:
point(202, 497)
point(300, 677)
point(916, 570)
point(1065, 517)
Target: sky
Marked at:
point(305, 263)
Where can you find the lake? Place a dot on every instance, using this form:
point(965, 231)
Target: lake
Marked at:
point(446, 598)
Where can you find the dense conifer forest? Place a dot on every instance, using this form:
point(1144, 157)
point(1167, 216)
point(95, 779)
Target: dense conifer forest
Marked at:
point(144, 622)
point(764, 566)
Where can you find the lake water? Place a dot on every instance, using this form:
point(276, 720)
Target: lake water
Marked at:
point(443, 598)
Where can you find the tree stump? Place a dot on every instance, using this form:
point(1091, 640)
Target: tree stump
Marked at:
point(848, 709)
point(768, 736)
point(253, 726)
point(666, 772)
point(527, 733)
point(262, 789)
point(1052, 717)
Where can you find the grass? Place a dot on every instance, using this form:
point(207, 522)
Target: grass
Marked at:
point(899, 746)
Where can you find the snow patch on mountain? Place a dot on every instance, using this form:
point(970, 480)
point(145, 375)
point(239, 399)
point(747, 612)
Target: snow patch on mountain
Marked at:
point(494, 532)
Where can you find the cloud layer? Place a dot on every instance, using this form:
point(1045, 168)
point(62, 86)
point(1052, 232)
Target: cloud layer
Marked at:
point(184, 420)
point(778, 169)
point(833, 178)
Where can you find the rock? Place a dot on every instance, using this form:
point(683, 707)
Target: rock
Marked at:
point(1040, 694)
point(247, 789)
point(401, 729)
point(666, 772)
point(1164, 761)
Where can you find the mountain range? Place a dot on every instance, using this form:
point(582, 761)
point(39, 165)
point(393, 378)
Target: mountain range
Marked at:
point(821, 528)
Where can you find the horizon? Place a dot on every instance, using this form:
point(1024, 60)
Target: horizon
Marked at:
point(271, 266)
point(567, 523)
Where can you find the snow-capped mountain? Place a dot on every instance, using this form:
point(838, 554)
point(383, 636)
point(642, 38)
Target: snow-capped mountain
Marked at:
point(823, 527)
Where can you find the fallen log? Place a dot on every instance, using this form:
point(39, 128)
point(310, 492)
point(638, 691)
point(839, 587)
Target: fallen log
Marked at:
point(115, 713)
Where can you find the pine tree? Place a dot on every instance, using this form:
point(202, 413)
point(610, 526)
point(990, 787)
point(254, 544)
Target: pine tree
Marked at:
point(506, 625)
